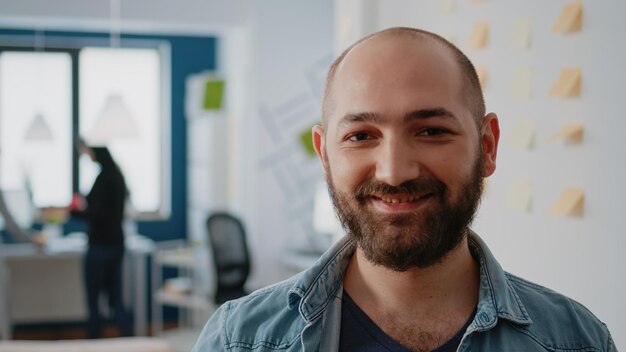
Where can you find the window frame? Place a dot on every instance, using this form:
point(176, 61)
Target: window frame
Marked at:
point(15, 46)
point(73, 46)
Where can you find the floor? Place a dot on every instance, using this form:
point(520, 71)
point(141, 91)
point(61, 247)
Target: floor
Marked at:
point(182, 339)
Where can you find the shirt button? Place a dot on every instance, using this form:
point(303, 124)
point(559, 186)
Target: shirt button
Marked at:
point(483, 318)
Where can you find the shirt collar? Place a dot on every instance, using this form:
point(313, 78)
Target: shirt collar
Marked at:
point(313, 290)
point(497, 298)
point(316, 286)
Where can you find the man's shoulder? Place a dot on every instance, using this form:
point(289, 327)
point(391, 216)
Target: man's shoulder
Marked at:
point(554, 314)
point(271, 298)
point(261, 320)
point(538, 297)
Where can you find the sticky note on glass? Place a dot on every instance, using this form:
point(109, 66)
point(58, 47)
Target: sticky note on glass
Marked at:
point(522, 83)
point(523, 134)
point(481, 72)
point(570, 20)
point(480, 35)
point(447, 6)
point(520, 37)
point(306, 140)
point(213, 94)
point(568, 83)
point(571, 132)
point(520, 196)
point(570, 203)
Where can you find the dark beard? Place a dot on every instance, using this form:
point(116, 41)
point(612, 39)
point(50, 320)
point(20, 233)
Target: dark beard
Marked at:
point(416, 240)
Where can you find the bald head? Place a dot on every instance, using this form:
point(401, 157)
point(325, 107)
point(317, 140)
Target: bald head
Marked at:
point(469, 91)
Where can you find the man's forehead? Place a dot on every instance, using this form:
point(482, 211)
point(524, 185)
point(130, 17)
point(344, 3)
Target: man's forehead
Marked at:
point(385, 45)
point(379, 63)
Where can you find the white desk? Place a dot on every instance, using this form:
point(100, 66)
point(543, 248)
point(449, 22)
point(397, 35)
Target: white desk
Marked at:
point(46, 284)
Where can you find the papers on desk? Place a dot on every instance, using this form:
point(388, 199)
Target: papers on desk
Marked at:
point(73, 242)
point(139, 243)
point(178, 285)
point(77, 242)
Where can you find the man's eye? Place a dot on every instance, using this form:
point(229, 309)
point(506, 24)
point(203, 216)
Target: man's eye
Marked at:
point(361, 136)
point(432, 132)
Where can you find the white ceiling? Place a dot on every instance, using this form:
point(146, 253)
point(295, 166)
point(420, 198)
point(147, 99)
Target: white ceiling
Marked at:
point(190, 14)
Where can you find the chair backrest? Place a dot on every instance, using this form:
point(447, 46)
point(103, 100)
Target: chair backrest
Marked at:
point(230, 251)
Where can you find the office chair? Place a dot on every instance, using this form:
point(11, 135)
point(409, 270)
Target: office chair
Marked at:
point(230, 255)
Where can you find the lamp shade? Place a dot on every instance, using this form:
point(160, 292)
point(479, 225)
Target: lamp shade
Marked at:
point(38, 130)
point(114, 122)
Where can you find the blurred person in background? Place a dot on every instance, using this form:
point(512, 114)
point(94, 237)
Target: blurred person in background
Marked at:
point(103, 209)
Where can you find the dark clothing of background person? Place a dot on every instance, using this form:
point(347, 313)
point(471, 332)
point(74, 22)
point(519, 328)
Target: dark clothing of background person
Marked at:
point(103, 261)
point(105, 204)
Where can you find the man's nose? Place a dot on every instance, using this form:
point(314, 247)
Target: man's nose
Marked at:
point(396, 163)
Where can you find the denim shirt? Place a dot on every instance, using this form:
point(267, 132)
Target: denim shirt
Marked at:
point(304, 313)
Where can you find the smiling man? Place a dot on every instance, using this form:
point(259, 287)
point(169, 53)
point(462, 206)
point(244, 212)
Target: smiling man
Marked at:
point(405, 143)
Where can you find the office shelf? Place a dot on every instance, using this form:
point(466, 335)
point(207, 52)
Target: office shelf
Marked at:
point(194, 305)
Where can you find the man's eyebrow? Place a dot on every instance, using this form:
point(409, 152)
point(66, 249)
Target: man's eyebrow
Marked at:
point(359, 117)
point(429, 113)
point(411, 116)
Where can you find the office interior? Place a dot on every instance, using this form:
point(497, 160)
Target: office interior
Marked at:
point(222, 96)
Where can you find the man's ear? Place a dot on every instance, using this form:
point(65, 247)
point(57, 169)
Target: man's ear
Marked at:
point(318, 144)
point(490, 136)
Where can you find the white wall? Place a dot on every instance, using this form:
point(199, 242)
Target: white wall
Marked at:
point(152, 13)
point(293, 48)
point(581, 257)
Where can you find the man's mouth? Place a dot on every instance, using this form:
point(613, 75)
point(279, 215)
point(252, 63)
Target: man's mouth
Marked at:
point(400, 198)
point(387, 199)
point(399, 203)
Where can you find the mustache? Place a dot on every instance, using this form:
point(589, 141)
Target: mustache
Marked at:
point(415, 186)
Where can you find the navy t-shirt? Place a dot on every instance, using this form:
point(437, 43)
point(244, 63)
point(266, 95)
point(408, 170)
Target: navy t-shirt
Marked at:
point(360, 334)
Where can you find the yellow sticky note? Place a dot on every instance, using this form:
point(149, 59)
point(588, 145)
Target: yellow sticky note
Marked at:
point(480, 35)
point(481, 72)
point(572, 132)
point(523, 134)
point(520, 196)
point(520, 37)
point(570, 20)
point(447, 6)
point(570, 203)
point(568, 83)
point(522, 83)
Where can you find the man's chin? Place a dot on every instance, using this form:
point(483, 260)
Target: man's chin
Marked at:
point(400, 256)
point(400, 221)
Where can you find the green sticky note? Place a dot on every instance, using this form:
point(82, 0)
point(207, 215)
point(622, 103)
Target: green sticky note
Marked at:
point(213, 92)
point(306, 139)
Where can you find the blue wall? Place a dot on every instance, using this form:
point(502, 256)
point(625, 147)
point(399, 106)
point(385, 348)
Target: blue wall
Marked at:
point(189, 54)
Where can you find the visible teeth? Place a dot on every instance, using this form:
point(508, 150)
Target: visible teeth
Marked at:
point(400, 200)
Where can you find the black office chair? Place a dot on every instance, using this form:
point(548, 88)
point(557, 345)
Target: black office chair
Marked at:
point(230, 255)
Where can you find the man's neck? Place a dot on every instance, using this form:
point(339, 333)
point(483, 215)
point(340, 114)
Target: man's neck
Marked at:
point(440, 297)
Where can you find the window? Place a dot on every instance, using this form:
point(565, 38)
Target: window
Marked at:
point(37, 88)
point(134, 75)
point(36, 125)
